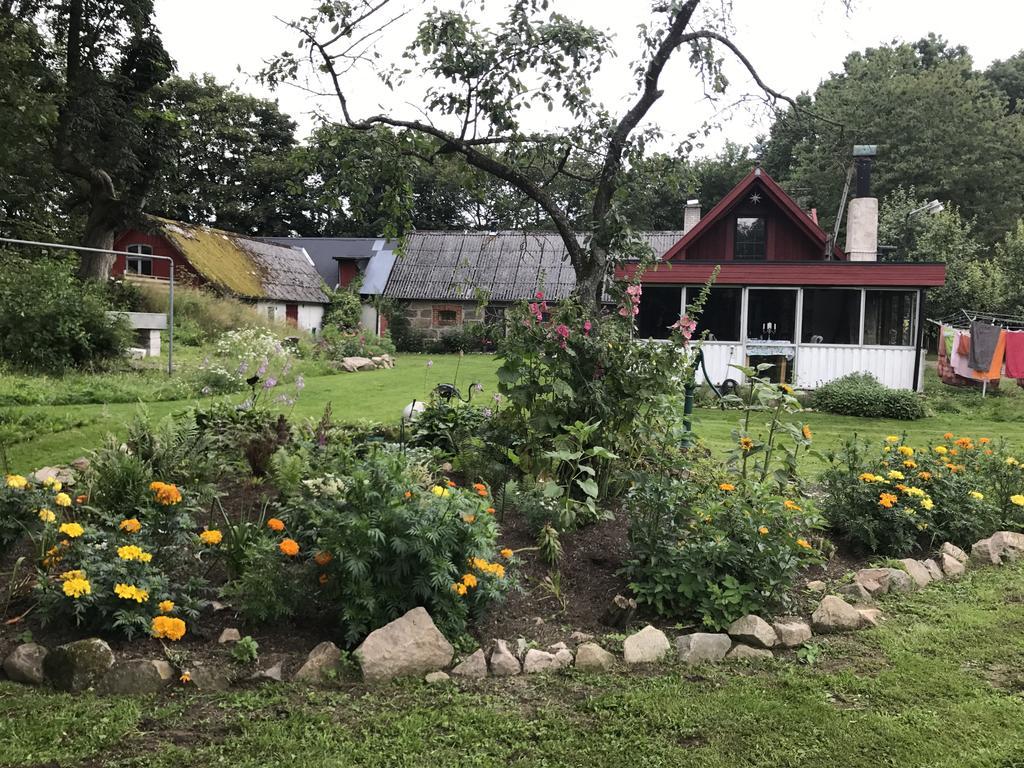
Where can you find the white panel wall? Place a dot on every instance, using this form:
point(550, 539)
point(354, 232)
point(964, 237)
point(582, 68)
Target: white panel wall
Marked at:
point(817, 364)
point(311, 317)
point(718, 356)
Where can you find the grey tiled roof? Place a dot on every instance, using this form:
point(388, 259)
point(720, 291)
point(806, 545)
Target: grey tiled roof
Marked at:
point(327, 251)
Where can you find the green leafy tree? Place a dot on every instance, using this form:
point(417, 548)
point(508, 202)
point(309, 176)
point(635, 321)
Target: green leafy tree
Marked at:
point(1010, 257)
point(1008, 76)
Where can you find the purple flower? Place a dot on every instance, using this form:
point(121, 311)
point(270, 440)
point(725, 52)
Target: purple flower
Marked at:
point(270, 383)
point(487, 412)
point(243, 367)
point(478, 387)
point(497, 397)
point(263, 367)
point(300, 382)
point(430, 363)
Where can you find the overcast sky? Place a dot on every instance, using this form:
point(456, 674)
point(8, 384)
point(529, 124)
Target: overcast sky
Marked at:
point(793, 43)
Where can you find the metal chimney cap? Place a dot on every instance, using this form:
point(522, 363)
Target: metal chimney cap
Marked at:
point(693, 202)
point(865, 150)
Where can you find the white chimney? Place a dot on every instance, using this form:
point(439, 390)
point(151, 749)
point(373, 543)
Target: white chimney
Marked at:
point(691, 215)
point(862, 213)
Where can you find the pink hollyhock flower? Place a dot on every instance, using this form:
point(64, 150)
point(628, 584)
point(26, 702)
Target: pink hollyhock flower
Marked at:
point(562, 330)
point(586, 328)
point(540, 295)
point(685, 326)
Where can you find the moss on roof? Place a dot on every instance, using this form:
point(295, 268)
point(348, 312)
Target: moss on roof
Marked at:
point(217, 256)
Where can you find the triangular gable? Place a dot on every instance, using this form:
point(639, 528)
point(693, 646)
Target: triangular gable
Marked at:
point(775, 193)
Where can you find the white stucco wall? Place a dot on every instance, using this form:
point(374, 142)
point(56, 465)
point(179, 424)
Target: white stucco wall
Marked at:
point(310, 319)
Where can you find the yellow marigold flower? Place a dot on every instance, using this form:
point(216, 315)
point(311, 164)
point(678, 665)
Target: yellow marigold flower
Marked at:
point(895, 475)
point(746, 444)
point(763, 530)
point(211, 537)
point(910, 464)
point(1017, 499)
point(470, 519)
point(507, 553)
point(167, 494)
point(289, 547)
point(887, 500)
point(165, 606)
point(53, 484)
point(941, 449)
point(131, 592)
point(62, 500)
point(131, 525)
point(68, 575)
point(906, 450)
point(976, 495)
point(806, 431)
point(167, 627)
point(892, 439)
point(18, 482)
point(927, 504)
point(322, 558)
point(1012, 461)
point(77, 587)
point(469, 579)
point(185, 678)
point(914, 491)
point(868, 477)
point(726, 487)
point(948, 436)
point(71, 530)
point(786, 388)
point(922, 526)
point(791, 505)
point(803, 543)
point(440, 492)
point(275, 524)
point(131, 552)
point(47, 516)
point(459, 589)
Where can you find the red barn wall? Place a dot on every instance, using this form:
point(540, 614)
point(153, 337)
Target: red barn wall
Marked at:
point(161, 247)
point(348, 270)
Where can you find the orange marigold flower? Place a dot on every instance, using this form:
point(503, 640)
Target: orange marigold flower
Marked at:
point(746, 444)
point(275, 524)
point(131, 525)
point(469, 580)
point(185, 678)
point(408, 494)
point(490, 510)
point(763, 530)
point(803, 543)
point(506, 553)
point(459, 589)
point(807, 432)
point(791, 505)
point(168, 627)
point(948, 436)
point(165, 606)
point(211, 538)
point(480, 488)
point(451, 484)
point(726, 487)
point(925, 475)
point(323, 579)
point(81, 499)
point(289, 547)
point(165, 493)
point(887, 500)
point(322, 558)
point(984, 440)
point(470, 519)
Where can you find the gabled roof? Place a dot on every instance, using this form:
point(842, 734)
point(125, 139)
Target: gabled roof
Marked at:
point(326, 252)
point(243, 266)
point(776, 193)
point(500, 266)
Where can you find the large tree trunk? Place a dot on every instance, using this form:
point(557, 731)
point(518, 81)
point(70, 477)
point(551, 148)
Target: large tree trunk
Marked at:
point(590, 275)
point(101, 224)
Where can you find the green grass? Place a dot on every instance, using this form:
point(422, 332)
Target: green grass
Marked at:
point(61, 434)
point(939, 684)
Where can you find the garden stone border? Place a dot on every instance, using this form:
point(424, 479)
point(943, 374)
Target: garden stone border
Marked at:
point(412, 646)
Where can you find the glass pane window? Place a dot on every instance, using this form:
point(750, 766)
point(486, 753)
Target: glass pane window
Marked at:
point(889, 318)
point(140, 248)
point(137, 266)
point(660, 307)
point(831, 316)
point(771, 315)
point(721, 314)
point(750, 238)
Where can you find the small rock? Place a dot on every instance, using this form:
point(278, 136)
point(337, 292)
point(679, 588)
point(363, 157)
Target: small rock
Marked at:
point(563, 658)
point(25, 664)
point(409, 645)
point(434, 678)
point(60, 474)
point(217, 606)
point(321, 663)
point(952, 567)
point(474, 666)
point(792, 633)
point(753, 630)
point(917, 571)
point(538, 621)
point(934, 570)
point(539, 661)
point(503, 662)
point(646, 646)
point(855, 591)
point(557, 647)
point(743, 652)
point(78, 665)
point(816, 586)
point(954, 551)
point(521, 648)
point(80, 464)
point(274, 674)
point(591, 657)
point(164, 669)
point(132, 676)
point(209, 678)
point(620, 612)
point(229, 635)
point(879, 581)
point(702, 647)
point(834, 614)
point(579, 638)
point(985, 552)
point(870, 617)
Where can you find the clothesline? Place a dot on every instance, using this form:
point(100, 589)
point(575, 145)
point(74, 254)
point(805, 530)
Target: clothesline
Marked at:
point(973, 347)
point(962, 320)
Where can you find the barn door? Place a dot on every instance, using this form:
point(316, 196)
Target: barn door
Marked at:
point(291, 313)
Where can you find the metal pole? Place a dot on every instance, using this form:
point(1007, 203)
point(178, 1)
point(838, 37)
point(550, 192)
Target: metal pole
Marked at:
point(168, 259)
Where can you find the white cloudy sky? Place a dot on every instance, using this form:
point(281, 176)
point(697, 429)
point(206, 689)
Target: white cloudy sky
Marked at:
point(793, 43)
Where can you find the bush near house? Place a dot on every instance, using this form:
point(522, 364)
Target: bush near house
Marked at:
point(861, 394)
point(201, 316)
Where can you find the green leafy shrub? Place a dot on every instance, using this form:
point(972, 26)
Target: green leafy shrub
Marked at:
point(202, 316)
point(50, 321)
point(861, 394)
point(335, 344)
point(448, 426)
point(894, 499)
point(345, 310)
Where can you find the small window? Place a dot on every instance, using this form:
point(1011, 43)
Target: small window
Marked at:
point(137, 266)
point(750, 240)
point(889, 318)
point(140, 248)
point(494, 315)
point(831, 316)
point(771, 315)
point(446, 317)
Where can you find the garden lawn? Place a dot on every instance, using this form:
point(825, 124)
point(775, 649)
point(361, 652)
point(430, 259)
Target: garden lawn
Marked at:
point(53, 434)
point(938, 685)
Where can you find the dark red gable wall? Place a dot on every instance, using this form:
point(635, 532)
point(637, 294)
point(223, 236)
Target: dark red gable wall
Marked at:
point(160, 246)
point(347, 272)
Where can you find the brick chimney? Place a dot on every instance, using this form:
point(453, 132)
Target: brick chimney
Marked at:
point(862, 213)
point(691, 215)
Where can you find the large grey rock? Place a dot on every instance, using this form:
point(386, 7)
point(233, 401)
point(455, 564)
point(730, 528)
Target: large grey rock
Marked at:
point(503, 661)
point(880, 581)
point(834, 614)
point(164, 669)
point(917, 571)
point(646, 646)
point(353, 364)
point(78, 665)
point(25, 664)
point(1009, 544)
point(229, 635)
point(556, 647)
point(474, 666)
point(540, 661)
point(702, 647)
point(856, 592)
point(132, 676)
point(753, 630)
point(934, 570)
point(591, 657)
point(985, 552)
point(60, 474)
point(321, 663)
point(952, 567)
point(742, 652)
point(207, 678)
point(953, 551)
point(792, 633)
point(409, 645)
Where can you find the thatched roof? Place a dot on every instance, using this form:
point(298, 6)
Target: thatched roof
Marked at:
point(501, 267)
point(244, 267)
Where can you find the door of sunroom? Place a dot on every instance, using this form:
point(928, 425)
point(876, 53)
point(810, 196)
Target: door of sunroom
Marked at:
point(771, 331)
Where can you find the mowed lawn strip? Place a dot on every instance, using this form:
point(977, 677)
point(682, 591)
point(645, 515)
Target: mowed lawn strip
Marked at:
point(938, 685)
point(379, 397)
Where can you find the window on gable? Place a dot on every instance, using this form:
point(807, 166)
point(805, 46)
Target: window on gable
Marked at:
point(136, 265)
point(750, 239)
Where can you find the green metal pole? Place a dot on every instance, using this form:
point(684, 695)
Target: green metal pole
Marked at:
point(688, 390)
